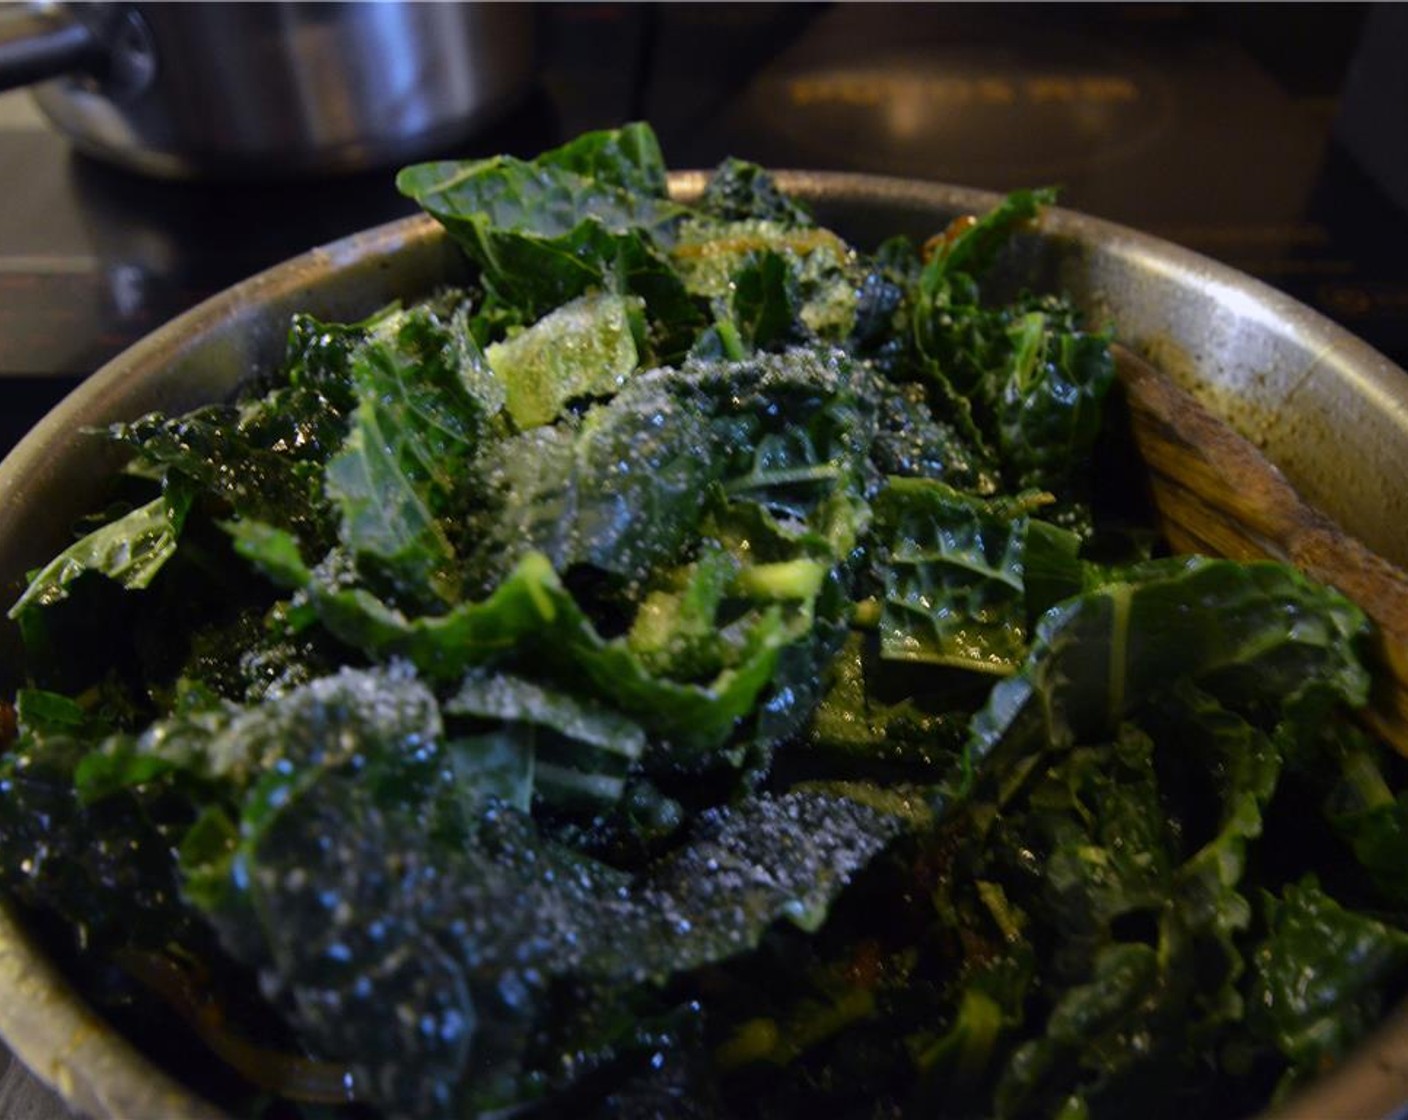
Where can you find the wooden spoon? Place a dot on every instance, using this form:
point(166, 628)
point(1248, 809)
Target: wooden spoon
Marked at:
point(1217, 494)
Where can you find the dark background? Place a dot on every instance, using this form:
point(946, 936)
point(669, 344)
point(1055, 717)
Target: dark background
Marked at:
point(1272, 137)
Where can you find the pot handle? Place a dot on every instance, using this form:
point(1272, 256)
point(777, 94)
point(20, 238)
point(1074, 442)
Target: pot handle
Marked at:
point(39, 41)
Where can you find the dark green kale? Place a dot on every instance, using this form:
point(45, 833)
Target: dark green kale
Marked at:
point(873, 717)
point(352, 801)
point(1320, 977)
point(914, 443)
point(593, 214)
point(242, 460)
point(424, 399)
point(1033, 378)
point(1098, 657)
point(962, 586)
point(562, 749)
point(765, 312)
point(739, 190)
point(681, 673)
point(104, 868)
point(562, 490)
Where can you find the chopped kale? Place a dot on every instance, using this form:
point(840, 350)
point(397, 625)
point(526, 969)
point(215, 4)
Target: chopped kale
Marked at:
point(675, 675)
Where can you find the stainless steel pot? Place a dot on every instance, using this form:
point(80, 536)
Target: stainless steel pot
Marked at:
point(1332, 412)
point(267, 89)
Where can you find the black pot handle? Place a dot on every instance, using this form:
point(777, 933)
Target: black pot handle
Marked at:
point(44, 41)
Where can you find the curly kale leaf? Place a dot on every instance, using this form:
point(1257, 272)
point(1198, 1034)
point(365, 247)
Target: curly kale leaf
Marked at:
point(1373, 822)
point(957, 573)
point(547, 231)
point(386, 522)
point(313, 898)
point(967, 250)
point(265, 458)
point(318, 355)
point(424, 399)
point(743, 868)
point(622, 494)
point(625, 492)
point(1142, 857)
point(1098, 657)
point(1051, 403)
point(104, 867)
point(1089, 1038)
point(532, 617)
point(795, 430)
point(1101, 857)
point(1034, 380)
point(738, 191)
point(443, 646)
point(359, 858)
point(1095, 816)
point(1208, 886)
point(130, 550)
point(766, 308)
point(676, 631)
point(474, 940)
point(260, 458)
point(1035, 383)
point(914, 442)
point(867, 716)
point(628, 157)
point(1320, 976)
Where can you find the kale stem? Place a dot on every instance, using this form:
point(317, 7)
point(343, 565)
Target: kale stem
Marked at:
point(732, 341)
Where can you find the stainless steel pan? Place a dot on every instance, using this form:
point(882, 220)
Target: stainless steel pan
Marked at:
point(266, 89)
point(1332, 412)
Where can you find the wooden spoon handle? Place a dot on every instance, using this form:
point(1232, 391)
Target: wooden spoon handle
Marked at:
point(1215, 492)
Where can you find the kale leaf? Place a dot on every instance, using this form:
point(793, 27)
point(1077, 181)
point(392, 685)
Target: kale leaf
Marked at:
point(957, 573)
point(592, 214)
point(130, 550)
point(1096, 658)
point(1321, 976)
